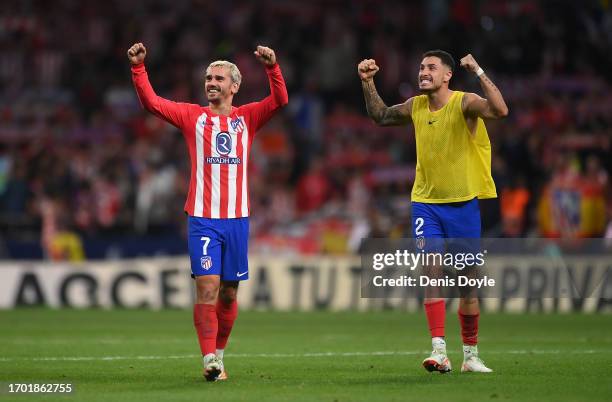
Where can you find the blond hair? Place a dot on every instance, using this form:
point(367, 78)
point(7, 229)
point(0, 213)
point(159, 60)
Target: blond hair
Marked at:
point(233, 69)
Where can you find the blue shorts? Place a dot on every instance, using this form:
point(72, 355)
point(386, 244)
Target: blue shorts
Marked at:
point(456, 220)
point(219, 247)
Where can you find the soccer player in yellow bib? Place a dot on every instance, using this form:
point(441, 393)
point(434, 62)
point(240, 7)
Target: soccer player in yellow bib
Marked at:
point(453, 171)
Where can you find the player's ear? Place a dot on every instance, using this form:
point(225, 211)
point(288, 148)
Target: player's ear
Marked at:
point(448, 75)
point(234, 88)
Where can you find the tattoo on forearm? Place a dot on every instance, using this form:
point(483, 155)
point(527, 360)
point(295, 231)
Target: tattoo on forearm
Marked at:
point(488, 84)
point(374, 104)
point(494, 96)
point(377, 110)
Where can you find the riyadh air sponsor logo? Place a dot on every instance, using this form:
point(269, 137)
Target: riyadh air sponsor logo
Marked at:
point(224, 143)
point(221, 160)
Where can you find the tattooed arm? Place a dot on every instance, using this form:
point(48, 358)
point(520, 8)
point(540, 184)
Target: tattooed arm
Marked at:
point(492, 106)
point(382, 114)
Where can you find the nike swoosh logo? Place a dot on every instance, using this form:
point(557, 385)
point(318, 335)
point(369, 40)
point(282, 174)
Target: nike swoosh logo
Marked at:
point(239, 274)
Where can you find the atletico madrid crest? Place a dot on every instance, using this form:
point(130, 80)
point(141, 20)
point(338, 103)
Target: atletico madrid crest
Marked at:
point(206, 262)
point(237, 125)
point(420, 242)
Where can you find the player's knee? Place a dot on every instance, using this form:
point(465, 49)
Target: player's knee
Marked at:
point(207, 291)
point(228, 293)
point(228, 297)
point(207, 295)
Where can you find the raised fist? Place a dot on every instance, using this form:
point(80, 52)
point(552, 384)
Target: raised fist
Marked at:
point(265, 55)
point(469, 63)
point(137, 53)
point(367, 69)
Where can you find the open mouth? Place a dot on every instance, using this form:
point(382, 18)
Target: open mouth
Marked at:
point(425, 81)
point(212, 91)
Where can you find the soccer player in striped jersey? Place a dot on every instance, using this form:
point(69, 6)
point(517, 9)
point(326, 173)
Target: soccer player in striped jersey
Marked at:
point(219, 138)
point(453, 171)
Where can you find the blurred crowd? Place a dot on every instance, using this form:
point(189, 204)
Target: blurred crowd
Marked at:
point(78, 155)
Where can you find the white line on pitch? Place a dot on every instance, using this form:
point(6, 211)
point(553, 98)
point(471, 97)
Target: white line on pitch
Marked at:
point(289, 355)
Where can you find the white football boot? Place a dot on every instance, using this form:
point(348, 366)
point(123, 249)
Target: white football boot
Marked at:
point(212, 367)
point(471, 362)
point(438, 361)
point(223, 374)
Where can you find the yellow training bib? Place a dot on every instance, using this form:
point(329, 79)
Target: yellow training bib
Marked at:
point(453, 165)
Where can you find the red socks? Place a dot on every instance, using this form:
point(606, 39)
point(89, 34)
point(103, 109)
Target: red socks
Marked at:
point(469, 328)
point(226, 315)
point(205, 322)
point(436, 314)
point(214, 324)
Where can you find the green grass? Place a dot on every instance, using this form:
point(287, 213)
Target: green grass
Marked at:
point(535, 357)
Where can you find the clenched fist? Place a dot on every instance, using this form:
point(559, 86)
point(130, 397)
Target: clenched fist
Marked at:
point(367, 69)
point(469, 63)
point(137, 53)
point(265, 55)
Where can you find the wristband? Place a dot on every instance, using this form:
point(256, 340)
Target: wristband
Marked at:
point(479, 72)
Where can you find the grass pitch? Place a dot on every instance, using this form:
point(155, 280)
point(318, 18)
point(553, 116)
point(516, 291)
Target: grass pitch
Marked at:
point(151, 356)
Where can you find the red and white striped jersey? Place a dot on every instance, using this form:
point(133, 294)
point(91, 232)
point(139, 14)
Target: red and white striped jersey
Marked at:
point(219, 146)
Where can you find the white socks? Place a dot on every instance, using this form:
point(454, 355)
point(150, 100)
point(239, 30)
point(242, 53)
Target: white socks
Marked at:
point(219, 353)
point(208, 358)
point(438, 344)
point(469, 351)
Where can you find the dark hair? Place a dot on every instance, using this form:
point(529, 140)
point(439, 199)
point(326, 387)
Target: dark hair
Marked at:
point(446, 58)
